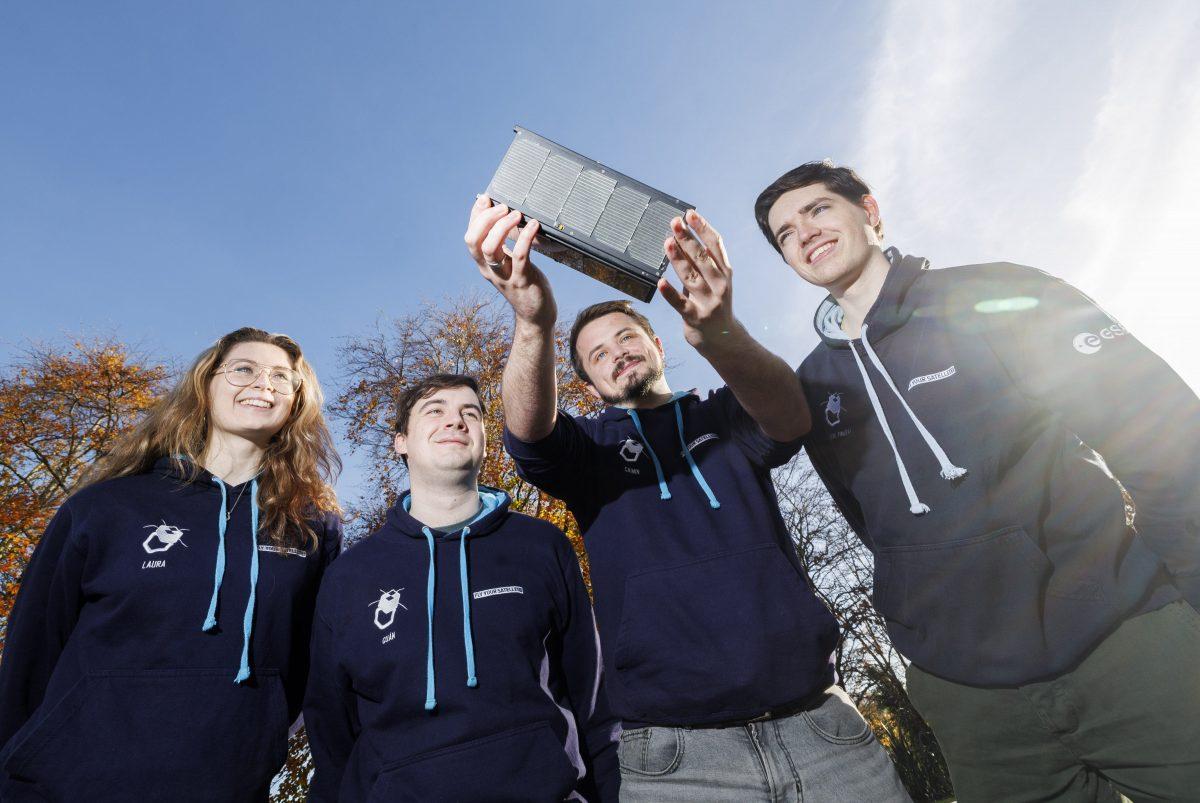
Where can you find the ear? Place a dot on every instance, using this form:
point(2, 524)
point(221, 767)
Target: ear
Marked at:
point(591, 389)
point(872, 209)
point(658, 345)
point(400, 444)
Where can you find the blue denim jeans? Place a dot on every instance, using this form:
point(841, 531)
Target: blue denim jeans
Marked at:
point(826, 754)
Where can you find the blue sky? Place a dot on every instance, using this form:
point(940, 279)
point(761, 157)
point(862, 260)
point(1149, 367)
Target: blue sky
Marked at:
point(172, 171)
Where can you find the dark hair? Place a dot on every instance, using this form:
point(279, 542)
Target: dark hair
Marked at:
point(589, 314)
point(841, 181)
point(426, 388)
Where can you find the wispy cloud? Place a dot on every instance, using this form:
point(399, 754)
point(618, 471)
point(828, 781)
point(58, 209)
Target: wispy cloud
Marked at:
point(1061, 140)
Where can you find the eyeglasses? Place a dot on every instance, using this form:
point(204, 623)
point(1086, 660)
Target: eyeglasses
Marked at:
point(242, 373)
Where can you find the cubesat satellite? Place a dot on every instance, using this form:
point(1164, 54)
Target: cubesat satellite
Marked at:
point(600, 222)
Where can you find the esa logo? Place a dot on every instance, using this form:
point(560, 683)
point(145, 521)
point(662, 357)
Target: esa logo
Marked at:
point(1088, 343)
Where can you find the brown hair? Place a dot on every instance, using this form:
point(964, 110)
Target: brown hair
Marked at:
point(841, 181)
point(299, 464)
point(589, 314)
point(427, 387)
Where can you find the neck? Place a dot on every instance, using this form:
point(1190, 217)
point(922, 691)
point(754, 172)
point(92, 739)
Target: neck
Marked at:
point(437, 502)
point(232, 458)
point(656, 395)
point(857, 298)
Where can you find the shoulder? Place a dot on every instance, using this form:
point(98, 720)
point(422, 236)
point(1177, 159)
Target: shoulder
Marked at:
point(990, 277)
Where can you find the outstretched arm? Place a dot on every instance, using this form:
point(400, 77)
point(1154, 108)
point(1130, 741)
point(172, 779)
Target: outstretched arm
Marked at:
point(529, 389)
point(762, 382)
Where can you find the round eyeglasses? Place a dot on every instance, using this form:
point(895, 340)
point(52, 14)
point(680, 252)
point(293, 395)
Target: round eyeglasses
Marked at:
point(242, 373)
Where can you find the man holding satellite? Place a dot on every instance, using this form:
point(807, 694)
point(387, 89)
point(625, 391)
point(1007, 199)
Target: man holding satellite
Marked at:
point(711, 633)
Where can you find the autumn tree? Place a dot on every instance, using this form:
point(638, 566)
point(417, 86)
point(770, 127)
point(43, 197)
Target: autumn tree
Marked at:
point(59, 409)
point(867, 663)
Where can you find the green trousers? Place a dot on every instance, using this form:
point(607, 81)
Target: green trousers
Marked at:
point(1126, 719)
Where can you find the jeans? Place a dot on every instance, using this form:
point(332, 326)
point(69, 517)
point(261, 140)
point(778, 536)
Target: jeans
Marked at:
point(1126, 718)
point(826, 754)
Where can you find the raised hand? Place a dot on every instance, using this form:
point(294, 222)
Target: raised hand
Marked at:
point(705, 301)
point(510, 271)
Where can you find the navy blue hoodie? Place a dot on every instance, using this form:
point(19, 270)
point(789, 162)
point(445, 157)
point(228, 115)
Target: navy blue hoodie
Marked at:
point(957, 436)
point(458, 666)
point(705, 613)
point(111, 688)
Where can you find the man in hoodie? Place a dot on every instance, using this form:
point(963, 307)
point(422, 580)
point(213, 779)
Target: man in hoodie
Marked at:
point(713, 638)
point(454, 653)
point(957, 417)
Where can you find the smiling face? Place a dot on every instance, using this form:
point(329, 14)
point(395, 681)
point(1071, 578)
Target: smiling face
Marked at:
point(826, 238)
point(444, 432)
point(255, 412)
point(622, 360)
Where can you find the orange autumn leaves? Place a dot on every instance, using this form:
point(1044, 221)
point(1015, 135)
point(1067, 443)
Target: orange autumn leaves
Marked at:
point(59, 409)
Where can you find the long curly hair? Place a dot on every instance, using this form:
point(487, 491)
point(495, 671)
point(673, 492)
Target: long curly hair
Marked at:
point(300, 462)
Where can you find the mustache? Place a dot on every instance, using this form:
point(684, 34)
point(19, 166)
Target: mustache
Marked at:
point(623, 364)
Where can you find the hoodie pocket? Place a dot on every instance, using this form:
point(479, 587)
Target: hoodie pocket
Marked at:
point(158, 735)
point(957, 607)
point(523, 764)
point(727, 636)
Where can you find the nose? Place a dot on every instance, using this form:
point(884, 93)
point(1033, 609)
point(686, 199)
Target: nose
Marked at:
point(262, 379)
point(808, 232)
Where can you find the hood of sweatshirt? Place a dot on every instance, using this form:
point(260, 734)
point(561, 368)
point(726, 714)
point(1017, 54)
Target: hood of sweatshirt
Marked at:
point(493, 510)
point(891, 310)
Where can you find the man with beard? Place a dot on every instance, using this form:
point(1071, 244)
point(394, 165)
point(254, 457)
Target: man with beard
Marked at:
point(956, 411)
point(711, 633)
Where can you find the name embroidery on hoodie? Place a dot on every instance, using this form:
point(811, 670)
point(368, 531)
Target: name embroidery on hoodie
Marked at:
point(491, 592)
point(921, 380)
point(163, 538)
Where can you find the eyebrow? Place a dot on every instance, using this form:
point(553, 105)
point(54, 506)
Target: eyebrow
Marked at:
point(619, 332)
point(804, 211)
point(436, 400)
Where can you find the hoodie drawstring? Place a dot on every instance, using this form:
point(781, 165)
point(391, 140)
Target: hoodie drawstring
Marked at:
point(691, 461)
point(663, 493)
point(210, 621)
point(948, 470)
point(468, 642)
point(430, 685)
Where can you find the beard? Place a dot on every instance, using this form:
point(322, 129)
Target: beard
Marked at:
point(636, 390)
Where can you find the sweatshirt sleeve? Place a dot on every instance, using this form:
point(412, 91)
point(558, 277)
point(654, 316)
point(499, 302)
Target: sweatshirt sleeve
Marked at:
point(582, 672)
point(45, 613)
point(330, 714)
point(560, 463)
point(748, 435)
point(1127, 404)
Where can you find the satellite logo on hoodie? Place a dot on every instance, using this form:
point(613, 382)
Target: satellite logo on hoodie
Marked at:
point(385, 607)
point(163, 538)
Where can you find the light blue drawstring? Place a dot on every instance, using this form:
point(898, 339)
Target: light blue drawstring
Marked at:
point(691, 461)
point(248, 617)
point(430, 684)
point(663, 493)
point(468, 642)
point(210, 621)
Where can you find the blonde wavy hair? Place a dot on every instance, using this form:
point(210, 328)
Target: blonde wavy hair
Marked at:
point(299, 465)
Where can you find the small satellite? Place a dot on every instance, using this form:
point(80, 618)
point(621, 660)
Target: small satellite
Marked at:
point(602, 223)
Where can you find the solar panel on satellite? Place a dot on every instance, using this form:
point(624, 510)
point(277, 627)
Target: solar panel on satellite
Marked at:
point(600, 222)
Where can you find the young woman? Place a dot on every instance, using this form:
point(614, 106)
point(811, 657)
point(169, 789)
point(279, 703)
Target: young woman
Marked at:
point(158, 646)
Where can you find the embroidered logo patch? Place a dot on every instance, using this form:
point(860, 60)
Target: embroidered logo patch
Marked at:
point(492, 592)
point(922, 380)
point(833, 409)
point(386, 606)
point(163, 538)
point(711, 436)
point(631, 450)
point(281, 550)
point(1088, 343)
